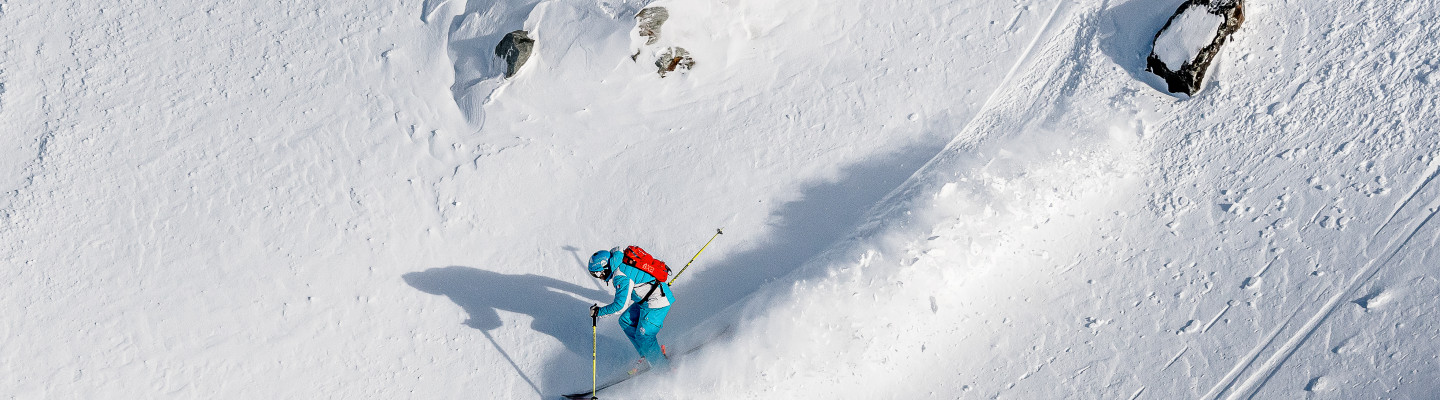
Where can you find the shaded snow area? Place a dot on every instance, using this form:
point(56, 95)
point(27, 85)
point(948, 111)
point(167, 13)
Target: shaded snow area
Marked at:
point(921, 199)
point(1190, 32)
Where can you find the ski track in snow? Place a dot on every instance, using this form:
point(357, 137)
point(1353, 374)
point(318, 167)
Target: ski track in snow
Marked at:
point(1388, 250)
point(261, 199)
point(1024, 59)
point(1409, 220)
point(998, 132)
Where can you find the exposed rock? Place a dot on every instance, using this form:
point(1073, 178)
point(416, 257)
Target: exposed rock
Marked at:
point(1184, 48)
point(514, 49)
point(647, 41)
point(672, 59)
point(648, 22)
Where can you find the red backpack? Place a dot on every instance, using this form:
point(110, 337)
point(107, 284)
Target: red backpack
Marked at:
point(638, 258)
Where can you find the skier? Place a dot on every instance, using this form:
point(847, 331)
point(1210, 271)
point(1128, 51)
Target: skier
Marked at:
point(642, 300)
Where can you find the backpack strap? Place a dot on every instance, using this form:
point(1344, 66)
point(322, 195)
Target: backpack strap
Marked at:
point(653, 285)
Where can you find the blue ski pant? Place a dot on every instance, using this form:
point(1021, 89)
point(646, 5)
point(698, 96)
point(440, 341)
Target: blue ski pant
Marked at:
point(641, 323)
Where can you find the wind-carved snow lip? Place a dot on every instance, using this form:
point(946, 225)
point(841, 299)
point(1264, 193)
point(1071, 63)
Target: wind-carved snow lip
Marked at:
point(471, 37)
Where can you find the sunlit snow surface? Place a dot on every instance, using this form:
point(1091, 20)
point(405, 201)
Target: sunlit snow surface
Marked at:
point(1180, 42)
point(258, 199)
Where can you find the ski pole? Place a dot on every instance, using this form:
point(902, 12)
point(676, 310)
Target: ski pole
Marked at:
point(594, 344)
point(697, 255)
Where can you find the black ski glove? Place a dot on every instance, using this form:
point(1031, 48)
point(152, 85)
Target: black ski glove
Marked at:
point(594, 310)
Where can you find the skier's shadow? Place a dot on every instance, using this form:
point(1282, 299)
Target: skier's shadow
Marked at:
point(548, 301)
point(544, 299)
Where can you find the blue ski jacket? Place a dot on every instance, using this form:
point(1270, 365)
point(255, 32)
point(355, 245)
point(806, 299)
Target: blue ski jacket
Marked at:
point(631, 284)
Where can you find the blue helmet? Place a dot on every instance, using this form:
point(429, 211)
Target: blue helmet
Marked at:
point(600, 264)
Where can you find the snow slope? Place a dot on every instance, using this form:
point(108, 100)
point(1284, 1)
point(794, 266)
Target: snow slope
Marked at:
point(256, 199)
point(1086, 237)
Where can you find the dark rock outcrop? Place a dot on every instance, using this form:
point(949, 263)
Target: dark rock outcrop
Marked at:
point(514, 49)
point(672, 59)
point(1170, 57)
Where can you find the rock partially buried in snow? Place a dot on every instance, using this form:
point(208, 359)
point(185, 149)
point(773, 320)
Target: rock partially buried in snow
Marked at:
point(646, 39)
point(1184, 48)
point(514, 49)
point(673, 59)
point(648, 22)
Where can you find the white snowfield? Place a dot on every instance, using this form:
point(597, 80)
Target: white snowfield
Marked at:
point(258, 199)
